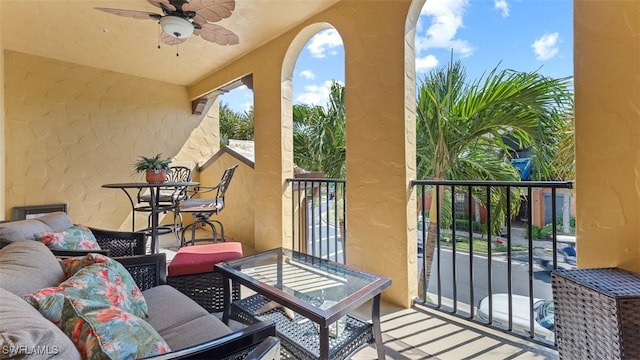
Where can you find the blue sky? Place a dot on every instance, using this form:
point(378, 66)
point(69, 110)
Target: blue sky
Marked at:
point(523, 35)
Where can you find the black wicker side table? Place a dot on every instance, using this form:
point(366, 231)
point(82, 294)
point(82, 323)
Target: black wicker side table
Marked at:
point(597, 313)
point(299, 336)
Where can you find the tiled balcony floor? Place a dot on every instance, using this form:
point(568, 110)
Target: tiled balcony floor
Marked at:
point(423, 333)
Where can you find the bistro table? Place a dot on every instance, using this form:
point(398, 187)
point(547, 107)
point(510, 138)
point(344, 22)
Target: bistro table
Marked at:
point(312, 290)
point(154, 204)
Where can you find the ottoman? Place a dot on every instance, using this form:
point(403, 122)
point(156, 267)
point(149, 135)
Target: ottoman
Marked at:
point(191, 272)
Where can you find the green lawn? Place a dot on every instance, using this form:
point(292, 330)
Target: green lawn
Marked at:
point(480, 245)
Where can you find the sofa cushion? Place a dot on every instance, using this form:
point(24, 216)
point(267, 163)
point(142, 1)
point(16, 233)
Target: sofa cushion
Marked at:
point(24, 229)
point(27, 266)
point(190, 326)
point(56, 220)
point(77, 237)
point(103, 283)
point(109, 333)
point(23, 330)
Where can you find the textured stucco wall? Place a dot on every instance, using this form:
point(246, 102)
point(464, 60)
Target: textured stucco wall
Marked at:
point(607, 83)
point(380, 136)
point(70, 129)
point(2, 122)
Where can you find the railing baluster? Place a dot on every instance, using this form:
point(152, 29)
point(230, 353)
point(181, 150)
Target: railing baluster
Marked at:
point(439, 252)
point(471, 287)
point(454, 242)
point(530, 222)
point(554, 230)
point(489, 260)
point(424, 243)
point(509, 255)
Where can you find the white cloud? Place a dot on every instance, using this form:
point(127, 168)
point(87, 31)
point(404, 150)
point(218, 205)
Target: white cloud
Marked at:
point(502, 6)
point(546, 47)
point(446, 18)
point(323, 42)
point(315, 94)
point(247, 106)
point(307, 74)
point(424, 64)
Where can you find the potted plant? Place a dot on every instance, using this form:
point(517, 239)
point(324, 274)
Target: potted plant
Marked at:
point(155, 168)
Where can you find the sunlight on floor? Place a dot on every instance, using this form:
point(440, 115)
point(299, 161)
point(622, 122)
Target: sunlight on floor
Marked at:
point(424, 333)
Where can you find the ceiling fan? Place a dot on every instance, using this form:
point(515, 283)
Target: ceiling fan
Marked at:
point(182, 18)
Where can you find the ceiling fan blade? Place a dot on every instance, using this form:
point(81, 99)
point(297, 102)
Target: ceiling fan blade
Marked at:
point(162, 4)
point(131, 13)
point(217, 34)
point(210, 10)
point(170, 40)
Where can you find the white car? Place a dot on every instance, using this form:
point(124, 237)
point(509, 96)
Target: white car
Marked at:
point(543, 325)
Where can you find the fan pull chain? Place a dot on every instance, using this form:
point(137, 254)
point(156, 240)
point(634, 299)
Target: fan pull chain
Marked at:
point(158, 34)
point(177, 48)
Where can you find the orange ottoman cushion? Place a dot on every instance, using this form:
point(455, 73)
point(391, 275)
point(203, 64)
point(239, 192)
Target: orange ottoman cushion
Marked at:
point(199, 259)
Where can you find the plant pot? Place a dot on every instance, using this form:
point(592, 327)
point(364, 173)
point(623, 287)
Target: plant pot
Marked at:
point(155, 176)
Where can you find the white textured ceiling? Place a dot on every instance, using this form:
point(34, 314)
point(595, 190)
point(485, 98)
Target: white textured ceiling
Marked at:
point(73, 31)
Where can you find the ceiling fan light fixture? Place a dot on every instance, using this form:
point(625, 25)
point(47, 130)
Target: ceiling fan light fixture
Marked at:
point(176, 26)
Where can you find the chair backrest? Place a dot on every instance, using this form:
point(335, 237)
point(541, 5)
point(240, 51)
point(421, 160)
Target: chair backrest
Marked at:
point(224, 182)
point(178, 174)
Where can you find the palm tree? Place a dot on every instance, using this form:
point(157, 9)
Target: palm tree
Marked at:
point(235, 125)
point(565, 165)
point(319, 138)
point(461, 129)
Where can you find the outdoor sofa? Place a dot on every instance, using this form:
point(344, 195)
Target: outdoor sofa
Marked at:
point(29, 267)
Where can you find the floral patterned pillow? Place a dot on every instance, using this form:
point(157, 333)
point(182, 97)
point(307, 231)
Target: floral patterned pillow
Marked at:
point(104, 283)
point(109, 333)
point(77, 237)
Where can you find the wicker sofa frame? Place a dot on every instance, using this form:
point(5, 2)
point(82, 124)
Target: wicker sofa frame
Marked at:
point(205, 288)
point(112, 243)
point(150, 270)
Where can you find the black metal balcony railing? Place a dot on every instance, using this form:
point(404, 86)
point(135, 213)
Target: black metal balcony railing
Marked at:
point(499, 278)
point(319, 208)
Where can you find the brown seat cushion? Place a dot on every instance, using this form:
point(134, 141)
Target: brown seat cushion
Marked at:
point(25, 334)
point(27, 266)
point(189, 326)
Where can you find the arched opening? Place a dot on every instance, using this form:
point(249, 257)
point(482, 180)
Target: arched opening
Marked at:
point(318, 142)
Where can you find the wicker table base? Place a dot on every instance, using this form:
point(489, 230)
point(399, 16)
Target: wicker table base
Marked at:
point(299, 337)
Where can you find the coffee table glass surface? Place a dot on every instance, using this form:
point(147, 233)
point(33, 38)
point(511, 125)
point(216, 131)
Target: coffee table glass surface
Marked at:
point(320, 290)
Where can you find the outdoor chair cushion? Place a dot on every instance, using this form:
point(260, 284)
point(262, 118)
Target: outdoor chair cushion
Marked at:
point(43, 269)
point(200, 259)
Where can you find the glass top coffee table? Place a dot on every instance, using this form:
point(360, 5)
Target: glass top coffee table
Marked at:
point(318, 295)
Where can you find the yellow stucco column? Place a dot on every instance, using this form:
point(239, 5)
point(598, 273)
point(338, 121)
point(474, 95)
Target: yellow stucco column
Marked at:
point(380, 165)
point(2, 144)
point(607, 111)
point(273, 154)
